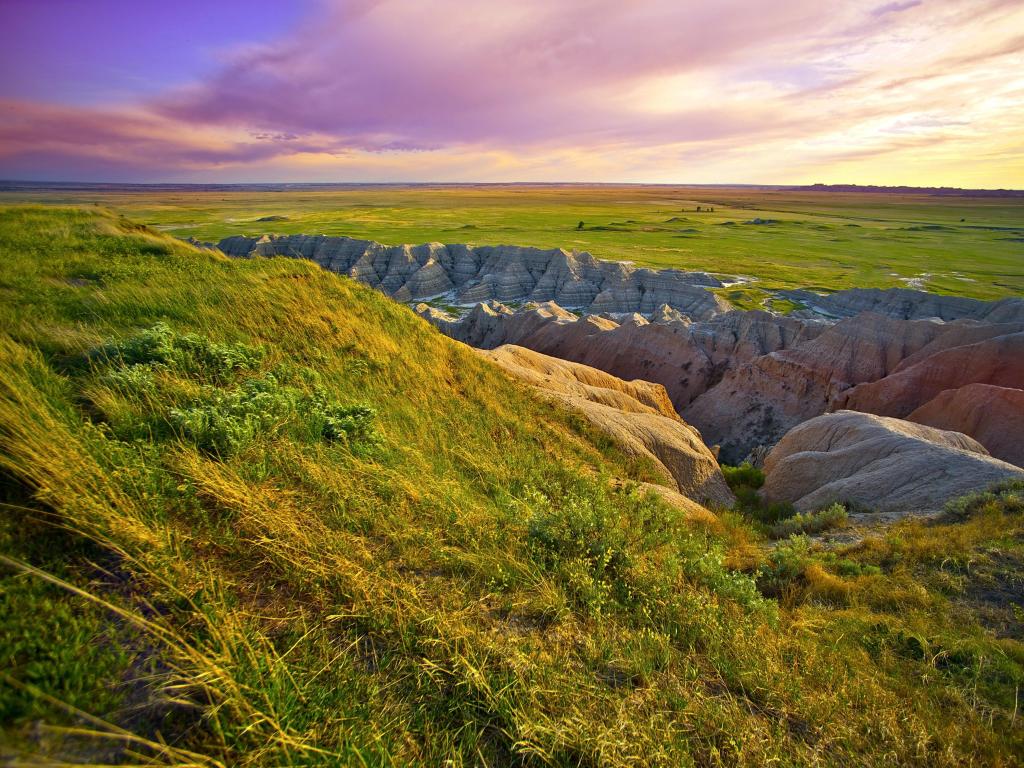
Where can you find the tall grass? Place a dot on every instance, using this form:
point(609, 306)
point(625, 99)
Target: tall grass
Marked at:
point(462, 579)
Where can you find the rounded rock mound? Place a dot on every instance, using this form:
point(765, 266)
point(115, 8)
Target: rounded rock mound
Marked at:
point(877, 463)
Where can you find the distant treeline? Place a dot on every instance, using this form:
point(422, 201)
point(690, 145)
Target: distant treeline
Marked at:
point(939, 191)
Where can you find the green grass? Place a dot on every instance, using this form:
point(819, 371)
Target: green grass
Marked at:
point(969, 246)
point(459, 576)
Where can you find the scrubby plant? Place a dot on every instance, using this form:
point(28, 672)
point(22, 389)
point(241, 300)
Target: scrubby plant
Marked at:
point(745, 482)
point(181, 385)
point(186, 353)
point(832, 516)
point(603, 549)
point(744, 476)
point(1008, 496)
point(786, 564)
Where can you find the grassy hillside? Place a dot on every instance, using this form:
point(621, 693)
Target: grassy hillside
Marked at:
point(962, 246)
point(255, 514)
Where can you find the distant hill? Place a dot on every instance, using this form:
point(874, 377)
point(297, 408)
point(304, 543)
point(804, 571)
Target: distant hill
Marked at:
point(937, 191)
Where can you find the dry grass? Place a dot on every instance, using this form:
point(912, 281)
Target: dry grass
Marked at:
point(484, 586)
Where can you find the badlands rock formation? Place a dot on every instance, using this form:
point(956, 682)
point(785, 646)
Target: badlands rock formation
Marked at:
point(742, 378)
point(745, 378)
point(470, 274)
point(994, 416)
point(756, 403)
point(907, 304)
point(686, 358)
point(880, 464)
point(636, 414)
point(998, 361)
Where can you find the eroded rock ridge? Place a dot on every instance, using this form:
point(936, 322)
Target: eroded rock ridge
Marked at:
point(468, 274)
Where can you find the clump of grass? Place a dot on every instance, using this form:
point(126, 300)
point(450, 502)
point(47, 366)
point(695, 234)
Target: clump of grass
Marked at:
point(745, 482)
point(832, 516)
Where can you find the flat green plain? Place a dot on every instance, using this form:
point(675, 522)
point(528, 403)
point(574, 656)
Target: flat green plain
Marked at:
point(964, 246)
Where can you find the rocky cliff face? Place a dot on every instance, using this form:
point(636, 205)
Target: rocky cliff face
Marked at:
point(685, 357)
point(994, 416)
point(867, 363)
point(758, 402)
point(470, 274)
point(907, 304)
point(745, 378)
point(998, 361)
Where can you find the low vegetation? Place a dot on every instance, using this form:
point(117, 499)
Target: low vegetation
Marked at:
point(745, 482)
point(832, 516)
point(256, 514)
point(826, 240)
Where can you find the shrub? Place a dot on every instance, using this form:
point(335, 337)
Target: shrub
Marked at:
point(627, 553)
point(785, 567)
point(580, 540)
point(743, 476)
point(833, 516)
point(183, 353)
point(156, 373)
point(1008, 495)
point(223, 422)
point(348, 423)
point(745, 480)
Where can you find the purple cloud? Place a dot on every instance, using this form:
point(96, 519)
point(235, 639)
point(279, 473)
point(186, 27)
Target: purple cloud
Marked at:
point(583, 88)
point(895, 7)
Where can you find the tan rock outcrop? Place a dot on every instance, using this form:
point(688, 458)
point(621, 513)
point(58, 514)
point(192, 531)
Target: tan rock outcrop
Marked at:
point(636, 414)
point(881, 464)
point(994, 416)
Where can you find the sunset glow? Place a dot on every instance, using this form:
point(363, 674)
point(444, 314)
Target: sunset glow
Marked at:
point(921, 92)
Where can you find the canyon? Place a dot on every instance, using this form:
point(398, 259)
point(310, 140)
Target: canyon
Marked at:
point(741, 380)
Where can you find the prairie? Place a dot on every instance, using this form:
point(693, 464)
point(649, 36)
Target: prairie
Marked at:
point(826, 240)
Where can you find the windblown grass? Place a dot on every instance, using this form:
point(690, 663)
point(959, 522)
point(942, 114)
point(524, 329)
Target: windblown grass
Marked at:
point(452, 574)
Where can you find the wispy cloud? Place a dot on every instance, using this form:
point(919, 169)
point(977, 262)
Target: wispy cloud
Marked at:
point(896, 7)
point(658, 90)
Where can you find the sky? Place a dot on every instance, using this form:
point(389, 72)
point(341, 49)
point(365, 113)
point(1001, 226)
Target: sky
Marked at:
point(916, 92)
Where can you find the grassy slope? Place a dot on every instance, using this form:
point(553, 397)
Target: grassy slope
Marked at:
point(472, 588)
point(828, 240)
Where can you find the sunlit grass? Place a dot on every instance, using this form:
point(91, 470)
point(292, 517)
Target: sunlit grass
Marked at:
point(479, 583)
point(962, 246)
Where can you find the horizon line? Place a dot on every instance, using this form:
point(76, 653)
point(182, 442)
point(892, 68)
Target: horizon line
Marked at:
point(718, 185)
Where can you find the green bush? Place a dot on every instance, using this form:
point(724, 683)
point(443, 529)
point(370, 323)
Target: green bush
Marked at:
point(745, 480)
point(833, 516)
point(1008, 495)
point(851, 568)
point(189, 354)
point(786, 565)
point(743, 476)
point(224, 422)
point(349, 423)
point(605, 559)
point(155, 373)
